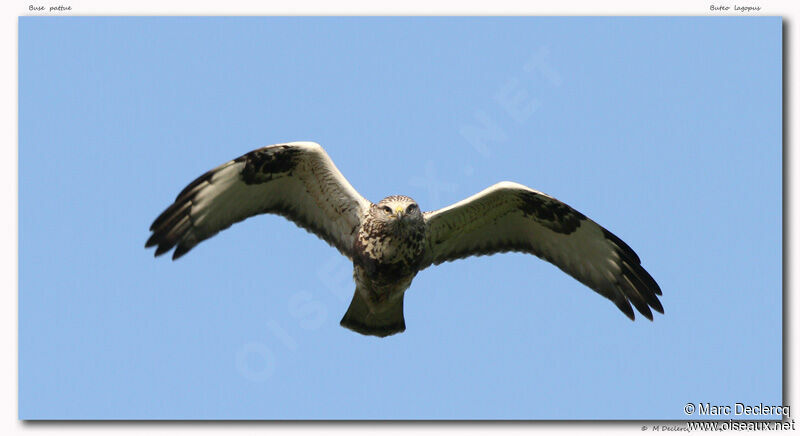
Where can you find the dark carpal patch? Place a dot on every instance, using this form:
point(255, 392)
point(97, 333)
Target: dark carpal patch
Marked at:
point(552, 214)
point(264, 164)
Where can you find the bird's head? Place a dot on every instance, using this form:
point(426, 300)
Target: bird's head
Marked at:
point(398, 211)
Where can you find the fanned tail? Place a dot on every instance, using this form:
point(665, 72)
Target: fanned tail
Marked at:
point(359, 318)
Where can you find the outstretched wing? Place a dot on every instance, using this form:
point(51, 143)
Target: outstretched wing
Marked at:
point(511, 217)
point(296, 180)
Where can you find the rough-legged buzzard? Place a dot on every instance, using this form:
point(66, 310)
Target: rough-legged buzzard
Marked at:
point(391, 241)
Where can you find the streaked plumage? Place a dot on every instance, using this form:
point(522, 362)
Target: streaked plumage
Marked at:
point(391, 241)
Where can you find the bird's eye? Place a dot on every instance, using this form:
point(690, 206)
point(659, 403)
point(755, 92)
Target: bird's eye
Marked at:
point(411, 207)
point(387, 209)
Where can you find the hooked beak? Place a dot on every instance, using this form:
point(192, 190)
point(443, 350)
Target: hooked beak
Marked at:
point(398, 212)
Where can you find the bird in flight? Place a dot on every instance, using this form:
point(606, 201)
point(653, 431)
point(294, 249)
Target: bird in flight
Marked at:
point(389, 242)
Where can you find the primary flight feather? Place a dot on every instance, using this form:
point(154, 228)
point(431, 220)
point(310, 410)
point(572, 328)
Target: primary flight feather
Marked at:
point(391, 241)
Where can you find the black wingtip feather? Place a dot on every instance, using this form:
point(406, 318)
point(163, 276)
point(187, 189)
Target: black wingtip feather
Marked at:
point(635, 289)
point(636, 285)
point(625, 307)
point(171, 226)
point(656, 305)
point(180, 251)
point(162, 249)
point(644, 309)
point(625, 249)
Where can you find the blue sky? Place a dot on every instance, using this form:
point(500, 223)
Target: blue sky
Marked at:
point(667, 131)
